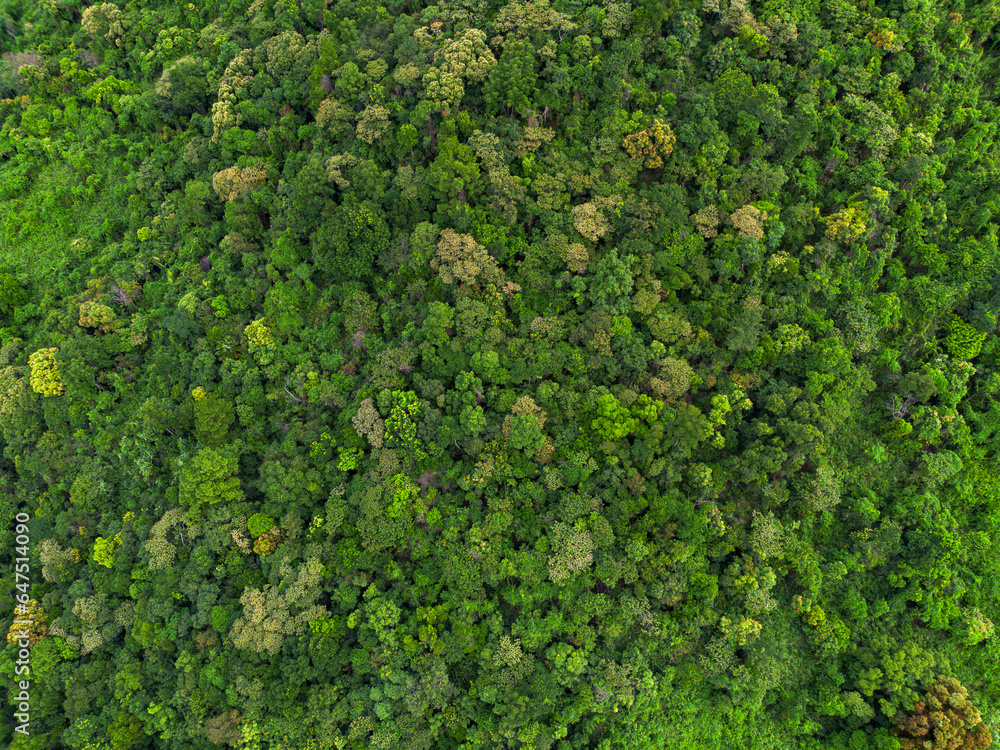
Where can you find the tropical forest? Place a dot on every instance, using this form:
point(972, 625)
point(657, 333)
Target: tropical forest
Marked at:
point(499, 374)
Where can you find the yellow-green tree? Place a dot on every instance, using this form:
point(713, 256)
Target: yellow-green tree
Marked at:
point(104, 19)
point(847, 225)
point(96, 315)
point(460, 257)
point(267, 613)
point(573, 552)
point(373, 123)
point(45, 376)
point(368, 424)
point(749, 221)
point(652, 145)
point(229, 183)
point(261, 340)
point(590, 221)
point(104, 549)
point(467, 55)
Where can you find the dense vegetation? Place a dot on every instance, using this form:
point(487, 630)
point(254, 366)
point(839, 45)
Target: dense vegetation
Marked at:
point(482, 375)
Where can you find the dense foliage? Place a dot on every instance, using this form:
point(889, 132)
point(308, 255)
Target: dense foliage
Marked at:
point(549, 374)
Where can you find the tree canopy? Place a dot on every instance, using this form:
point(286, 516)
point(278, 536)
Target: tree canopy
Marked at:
point(536, 374)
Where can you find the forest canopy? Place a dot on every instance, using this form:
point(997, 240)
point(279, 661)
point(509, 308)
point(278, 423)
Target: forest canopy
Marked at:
point(541, 374)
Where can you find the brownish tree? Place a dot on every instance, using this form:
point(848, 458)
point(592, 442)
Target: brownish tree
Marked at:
point(944, 720)
point(224, 728)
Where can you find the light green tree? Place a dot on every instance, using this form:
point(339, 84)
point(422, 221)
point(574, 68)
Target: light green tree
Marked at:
point(963, 340)
point(209, 478)
point(613, 421)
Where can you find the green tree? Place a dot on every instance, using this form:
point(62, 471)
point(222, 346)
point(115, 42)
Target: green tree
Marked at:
point(182, 89)
point(511, 85)
point(348, 243)
point(12, 294)
point(213, 416)
point(126, 732)
point(454, 174)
